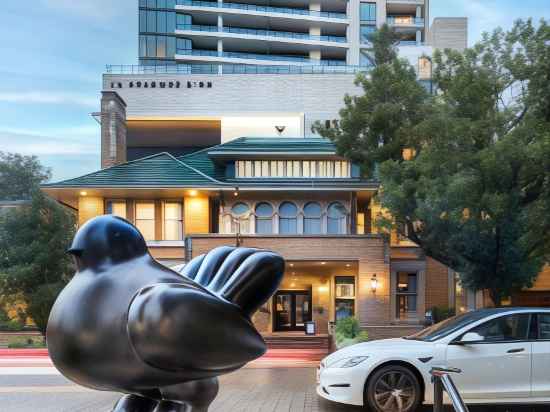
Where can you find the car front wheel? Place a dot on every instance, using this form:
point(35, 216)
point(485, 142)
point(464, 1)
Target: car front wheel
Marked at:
point(393, 388)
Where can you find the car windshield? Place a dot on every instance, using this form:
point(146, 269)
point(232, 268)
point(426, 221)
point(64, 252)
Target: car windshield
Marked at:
point(446, 327)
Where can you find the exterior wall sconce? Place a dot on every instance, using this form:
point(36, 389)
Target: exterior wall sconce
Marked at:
point(236, 192)
point(373, 283)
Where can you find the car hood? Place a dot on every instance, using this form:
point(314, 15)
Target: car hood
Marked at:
point(398, 347)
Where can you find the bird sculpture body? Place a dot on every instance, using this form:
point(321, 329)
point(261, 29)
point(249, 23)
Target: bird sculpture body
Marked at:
point(126, 323)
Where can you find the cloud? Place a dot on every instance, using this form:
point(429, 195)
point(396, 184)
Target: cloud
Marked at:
point(47, 97)
point(39, 144)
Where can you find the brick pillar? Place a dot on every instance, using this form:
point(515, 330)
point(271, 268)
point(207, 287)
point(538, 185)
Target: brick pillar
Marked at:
point(113, 129)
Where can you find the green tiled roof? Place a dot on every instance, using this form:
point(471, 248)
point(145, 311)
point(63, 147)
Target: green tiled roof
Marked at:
point(199, 169)
point(283, 145)
point(203, 163)
point(160, 170)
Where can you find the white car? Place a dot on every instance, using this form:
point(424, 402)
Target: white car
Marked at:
point(504, 355)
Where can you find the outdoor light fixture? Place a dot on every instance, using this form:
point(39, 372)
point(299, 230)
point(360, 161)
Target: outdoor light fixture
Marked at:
point(236, 192)
point(373, 283)
point(323, 263)
point(292, 265)
point(83, 193)
point(193, 192)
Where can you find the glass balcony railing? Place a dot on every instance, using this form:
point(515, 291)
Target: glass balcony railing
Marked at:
point(258, 56)
point(197, 52)
point(405, 21)
point(232, 69)
point(264, 33)
point(263, 9)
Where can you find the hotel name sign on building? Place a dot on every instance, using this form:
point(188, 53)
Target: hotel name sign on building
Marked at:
point(170, 84)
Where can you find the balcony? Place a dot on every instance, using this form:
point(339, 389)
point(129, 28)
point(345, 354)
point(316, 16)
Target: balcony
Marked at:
point(262, 10)
point(230, 69)
point(406, 2)
point(260, 34)
point(236, 57)
point(405, 21)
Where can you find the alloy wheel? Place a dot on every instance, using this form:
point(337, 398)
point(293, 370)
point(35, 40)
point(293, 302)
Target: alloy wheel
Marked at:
point(394, 391)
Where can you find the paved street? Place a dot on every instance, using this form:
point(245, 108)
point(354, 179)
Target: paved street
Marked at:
point(248, 390)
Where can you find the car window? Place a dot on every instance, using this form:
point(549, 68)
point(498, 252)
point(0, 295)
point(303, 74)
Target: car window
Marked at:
point(544, 326)
point(504, 329)
point(448, 326)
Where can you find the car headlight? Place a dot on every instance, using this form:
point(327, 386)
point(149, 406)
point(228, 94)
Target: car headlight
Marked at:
point(356, 360)
point(348, 362)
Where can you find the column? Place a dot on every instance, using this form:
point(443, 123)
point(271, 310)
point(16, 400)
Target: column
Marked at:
point(220, 54)
point(113, 128)
point(220, 42)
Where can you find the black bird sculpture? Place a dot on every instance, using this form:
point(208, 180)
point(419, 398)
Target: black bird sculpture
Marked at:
point(125, 323)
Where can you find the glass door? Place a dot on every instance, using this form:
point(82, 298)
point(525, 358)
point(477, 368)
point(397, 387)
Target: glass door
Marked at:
point(292, 310)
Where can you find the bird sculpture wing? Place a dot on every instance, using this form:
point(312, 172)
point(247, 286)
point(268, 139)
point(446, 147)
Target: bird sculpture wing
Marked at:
point(203, 325)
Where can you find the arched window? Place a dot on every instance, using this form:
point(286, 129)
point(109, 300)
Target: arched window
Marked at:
point(240, 221)
point(264, 218)
point(288, 220)
point(336, 219)
point(312, 218)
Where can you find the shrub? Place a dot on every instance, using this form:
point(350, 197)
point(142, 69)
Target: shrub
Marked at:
point(347, 332)
point(440, 313)
point(8, 324)
point(25, 342)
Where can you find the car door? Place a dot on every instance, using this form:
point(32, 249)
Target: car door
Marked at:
point(541, 357)
point(498, 365)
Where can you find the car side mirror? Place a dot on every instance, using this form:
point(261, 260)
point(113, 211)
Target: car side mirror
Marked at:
point(470, 337)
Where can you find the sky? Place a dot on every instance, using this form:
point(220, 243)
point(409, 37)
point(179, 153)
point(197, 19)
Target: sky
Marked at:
point(53, 53)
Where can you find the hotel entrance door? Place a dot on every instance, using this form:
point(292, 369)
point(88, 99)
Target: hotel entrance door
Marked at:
point(292, 310)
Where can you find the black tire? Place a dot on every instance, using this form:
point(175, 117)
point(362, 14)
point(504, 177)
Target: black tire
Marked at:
point(393, 388)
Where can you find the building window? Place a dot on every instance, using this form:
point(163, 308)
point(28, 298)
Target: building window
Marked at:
point(368, 12)
point(336, 219)
point(264, 218)
point(293, 169)
point(312, 218)
point(288, 218)
point(239, 219)
point(364, 59)
point(173, 221)
point(116, 208)
point(406, 294)
point(183, 44)
point(145, 219)
point(366, 32)
point(344, 302)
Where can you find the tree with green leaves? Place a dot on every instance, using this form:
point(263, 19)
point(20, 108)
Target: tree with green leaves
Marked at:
point(20, 176)
point(33, 239)
point(475, 194)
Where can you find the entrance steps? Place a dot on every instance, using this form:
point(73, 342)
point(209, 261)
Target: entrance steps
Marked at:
point(297, 341)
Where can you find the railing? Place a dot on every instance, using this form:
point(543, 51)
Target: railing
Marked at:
point(263, 9)
point(197, 52)
point(233, 69)
point(257, 56)
point(405, 21)
point(410, 43)
point(259, 32)
point(442, 380)
point(406, 1)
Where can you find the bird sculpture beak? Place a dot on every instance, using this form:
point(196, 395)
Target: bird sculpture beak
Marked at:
point(74, 251)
